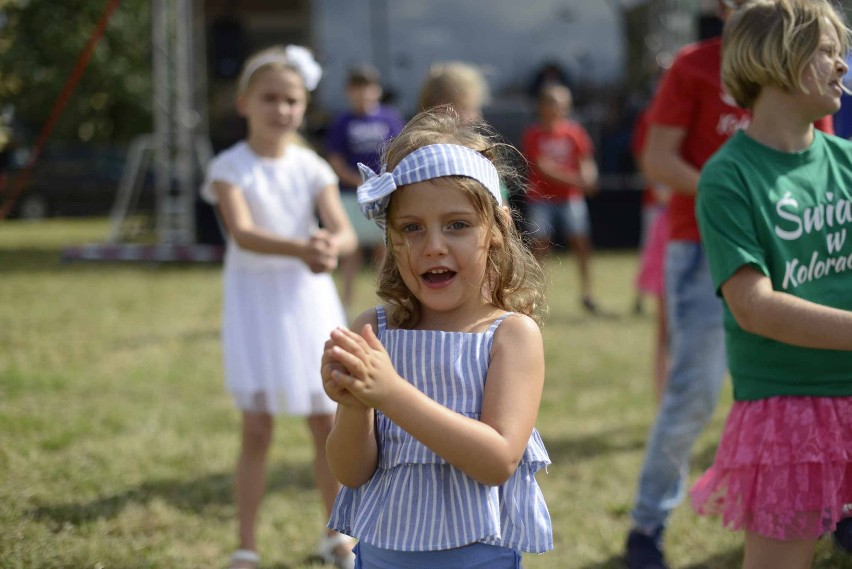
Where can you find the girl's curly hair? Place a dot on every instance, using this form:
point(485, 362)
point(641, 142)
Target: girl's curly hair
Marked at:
point(516, 280)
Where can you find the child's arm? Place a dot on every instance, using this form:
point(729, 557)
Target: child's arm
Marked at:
point(761, 310)
point(334, 219)
point(553, 171)
point(487, 450)
point(318, 252)
point(351, 446)
point(662, 161)
point(585, 178)
point(589, 175)
point(348, 176)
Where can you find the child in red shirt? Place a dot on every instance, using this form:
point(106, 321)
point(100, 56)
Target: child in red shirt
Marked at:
point(562, 172)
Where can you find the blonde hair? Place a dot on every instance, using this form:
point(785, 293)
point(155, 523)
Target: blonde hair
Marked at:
point(515, 277)
point(453, 83)
point(771, 42)
point(277, 56)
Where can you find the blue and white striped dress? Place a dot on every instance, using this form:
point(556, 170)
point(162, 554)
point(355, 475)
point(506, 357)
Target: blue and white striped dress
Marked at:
point(415, 500)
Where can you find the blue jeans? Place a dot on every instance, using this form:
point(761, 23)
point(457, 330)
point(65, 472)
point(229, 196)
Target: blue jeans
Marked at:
point(698, 363)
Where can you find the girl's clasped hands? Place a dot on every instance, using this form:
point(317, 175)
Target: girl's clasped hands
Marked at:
point(357, 370)
point(321, 251)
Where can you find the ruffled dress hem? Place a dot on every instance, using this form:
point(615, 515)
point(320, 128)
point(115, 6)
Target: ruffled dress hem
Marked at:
point(783, 468)
point(349, 501)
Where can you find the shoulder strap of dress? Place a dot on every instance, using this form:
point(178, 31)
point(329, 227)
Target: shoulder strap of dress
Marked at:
point(496, 323)
point(382, 319)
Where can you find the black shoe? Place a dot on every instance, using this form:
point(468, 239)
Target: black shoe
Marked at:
point(842, 535)
point(590, 306)
point(645, 551)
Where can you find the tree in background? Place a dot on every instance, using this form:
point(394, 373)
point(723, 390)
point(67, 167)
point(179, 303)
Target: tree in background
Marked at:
point(39, 44)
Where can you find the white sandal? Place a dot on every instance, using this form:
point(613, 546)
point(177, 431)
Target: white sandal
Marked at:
point(327, 546)
point(244, 556)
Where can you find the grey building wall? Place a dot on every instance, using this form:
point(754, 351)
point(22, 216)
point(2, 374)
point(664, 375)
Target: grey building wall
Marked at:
point(509, 39)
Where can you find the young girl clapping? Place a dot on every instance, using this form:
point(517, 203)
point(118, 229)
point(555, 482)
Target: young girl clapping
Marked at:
point(439, 388)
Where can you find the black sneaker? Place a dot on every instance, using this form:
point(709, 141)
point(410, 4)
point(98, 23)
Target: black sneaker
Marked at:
point(645, 551)
point(590, 306)
point(842, 535)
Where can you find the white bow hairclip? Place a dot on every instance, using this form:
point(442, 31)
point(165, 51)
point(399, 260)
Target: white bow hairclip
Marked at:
point(297, 57)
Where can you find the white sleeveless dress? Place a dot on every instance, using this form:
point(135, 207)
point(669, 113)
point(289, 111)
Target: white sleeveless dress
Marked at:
point(277, 314)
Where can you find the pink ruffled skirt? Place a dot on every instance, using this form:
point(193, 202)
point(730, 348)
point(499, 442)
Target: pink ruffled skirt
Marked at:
point(783, 468)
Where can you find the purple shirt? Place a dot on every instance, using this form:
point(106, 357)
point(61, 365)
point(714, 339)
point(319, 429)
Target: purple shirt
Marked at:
point(359, 138)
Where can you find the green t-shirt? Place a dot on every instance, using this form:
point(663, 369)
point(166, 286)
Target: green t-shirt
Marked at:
point(788, 215)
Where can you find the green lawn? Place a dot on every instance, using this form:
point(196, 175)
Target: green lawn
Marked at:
point(117, 439)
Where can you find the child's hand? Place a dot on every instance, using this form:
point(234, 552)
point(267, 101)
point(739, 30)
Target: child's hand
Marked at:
point(329, 370)
point(371, 376)
point(548, 163)
point(321, 252)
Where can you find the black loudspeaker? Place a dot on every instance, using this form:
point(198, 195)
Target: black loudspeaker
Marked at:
point(709, 26)
point(227, 47)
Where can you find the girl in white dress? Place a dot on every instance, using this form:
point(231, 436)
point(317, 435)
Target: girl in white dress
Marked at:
point(280, 302)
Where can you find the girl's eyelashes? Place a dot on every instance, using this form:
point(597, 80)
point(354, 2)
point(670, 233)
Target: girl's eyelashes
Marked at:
point(453, 226)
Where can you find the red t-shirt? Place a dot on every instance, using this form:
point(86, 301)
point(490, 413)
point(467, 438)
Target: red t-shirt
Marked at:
point(567, 143)
point(691, 97)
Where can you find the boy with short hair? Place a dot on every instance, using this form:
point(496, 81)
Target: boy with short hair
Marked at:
point(357, 135)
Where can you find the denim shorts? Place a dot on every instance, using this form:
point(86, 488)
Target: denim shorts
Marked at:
point(571, 215)
point(473, 556)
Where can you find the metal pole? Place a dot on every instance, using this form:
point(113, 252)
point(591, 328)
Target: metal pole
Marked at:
point(162, 114)
point(199, 64)
point(183, 229)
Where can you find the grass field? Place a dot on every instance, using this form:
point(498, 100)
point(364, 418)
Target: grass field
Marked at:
point(117, 439)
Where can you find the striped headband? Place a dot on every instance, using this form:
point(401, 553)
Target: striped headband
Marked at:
point(425, 163)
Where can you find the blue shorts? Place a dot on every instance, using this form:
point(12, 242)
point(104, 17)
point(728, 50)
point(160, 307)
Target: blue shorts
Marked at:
point(545, 217)
point(473, 556)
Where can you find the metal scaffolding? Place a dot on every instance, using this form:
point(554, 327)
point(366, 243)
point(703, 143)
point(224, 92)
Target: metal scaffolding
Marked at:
point(179, 147)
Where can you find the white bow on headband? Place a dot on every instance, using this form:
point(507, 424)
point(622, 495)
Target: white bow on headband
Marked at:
point(425, 163)
point(297, 57)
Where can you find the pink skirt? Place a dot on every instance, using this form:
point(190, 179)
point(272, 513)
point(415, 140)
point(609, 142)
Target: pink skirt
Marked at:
point(652, 259)
point(783, 468)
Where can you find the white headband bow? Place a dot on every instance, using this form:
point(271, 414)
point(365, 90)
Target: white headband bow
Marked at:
point(296, 56)
point(425, 163)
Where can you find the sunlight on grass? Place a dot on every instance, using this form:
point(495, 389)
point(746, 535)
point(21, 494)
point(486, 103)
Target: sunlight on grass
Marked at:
point(119, 439)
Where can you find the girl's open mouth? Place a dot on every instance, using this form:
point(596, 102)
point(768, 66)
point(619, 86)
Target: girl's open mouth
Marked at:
point(438, 276)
